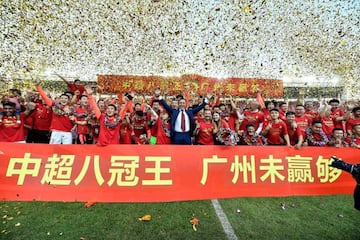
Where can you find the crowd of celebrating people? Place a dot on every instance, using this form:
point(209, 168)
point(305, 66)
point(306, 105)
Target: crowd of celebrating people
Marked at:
point(78, 117)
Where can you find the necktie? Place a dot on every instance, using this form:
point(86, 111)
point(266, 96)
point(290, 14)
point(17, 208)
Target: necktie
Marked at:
point(182, 120)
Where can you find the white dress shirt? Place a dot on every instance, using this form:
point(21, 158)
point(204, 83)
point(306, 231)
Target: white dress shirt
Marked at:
point(178, 122)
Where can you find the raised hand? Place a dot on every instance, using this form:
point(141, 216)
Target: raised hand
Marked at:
point(147, 107)
point(37, 82)
point(340, 164)
point(269, 126)
point(89, 90)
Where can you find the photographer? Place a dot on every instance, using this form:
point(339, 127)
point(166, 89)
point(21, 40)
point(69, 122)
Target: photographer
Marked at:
point(354, 170)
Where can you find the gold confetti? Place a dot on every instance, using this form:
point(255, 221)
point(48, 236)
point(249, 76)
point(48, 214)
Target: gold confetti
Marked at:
point(85, 38)
point(5, 231)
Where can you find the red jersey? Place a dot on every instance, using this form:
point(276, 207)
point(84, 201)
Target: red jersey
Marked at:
point(205, 136)
point(163, 136)
point(266, 113)
point(337, 143)
point(149, 115)
point(282, 115)
point(94, 127)
point(250, 140)
point(10, 131)
point(335, 114)
point(351, 122)
point(293, 133)
point(327, 125)
point(252, 117)
point(153, 126)
point(109, 132)
point(60, 121)
point(231, 121)
point(311, 114)
point(353, 141)
point(161, 131)
point(303, 122)
point(72, 87)
point(29, 121)
point(276, 133)
point(42, 117)
point(81, 114)
point(125, 133)
point(140, 127)
point(224, 124)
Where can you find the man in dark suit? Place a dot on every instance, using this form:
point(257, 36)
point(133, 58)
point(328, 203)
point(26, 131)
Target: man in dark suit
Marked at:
point(182, 121)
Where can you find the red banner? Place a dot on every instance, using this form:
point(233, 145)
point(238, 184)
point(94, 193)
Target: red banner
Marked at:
point(243, 87)
point(154, 173)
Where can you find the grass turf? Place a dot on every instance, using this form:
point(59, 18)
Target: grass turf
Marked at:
point(323, 217)
point(320, 217)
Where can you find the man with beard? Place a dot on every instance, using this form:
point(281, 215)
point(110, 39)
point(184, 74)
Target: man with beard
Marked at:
point(11, 130)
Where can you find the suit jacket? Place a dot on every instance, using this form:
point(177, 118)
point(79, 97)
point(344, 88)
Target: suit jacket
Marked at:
point(356, 175)
point(175, 112)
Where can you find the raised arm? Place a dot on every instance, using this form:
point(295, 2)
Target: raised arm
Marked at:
point(43, 94)
point(127, 107)
point(92, 102)
point(323, 109)
point(148, 108)
point(62, 78)
point(165, 105)
point(157, 95)
point(234, 108)
point(201, 106)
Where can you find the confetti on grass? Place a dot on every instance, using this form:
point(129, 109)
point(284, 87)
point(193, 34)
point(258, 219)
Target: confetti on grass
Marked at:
point(282, 206)
point(89, 204)
point(194, 222)
point(145, 218)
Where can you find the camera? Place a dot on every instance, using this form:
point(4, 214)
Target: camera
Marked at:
point(350, 168)
point(129, 96)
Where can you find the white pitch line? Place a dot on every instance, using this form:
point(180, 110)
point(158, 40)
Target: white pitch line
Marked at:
point(229, 231)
